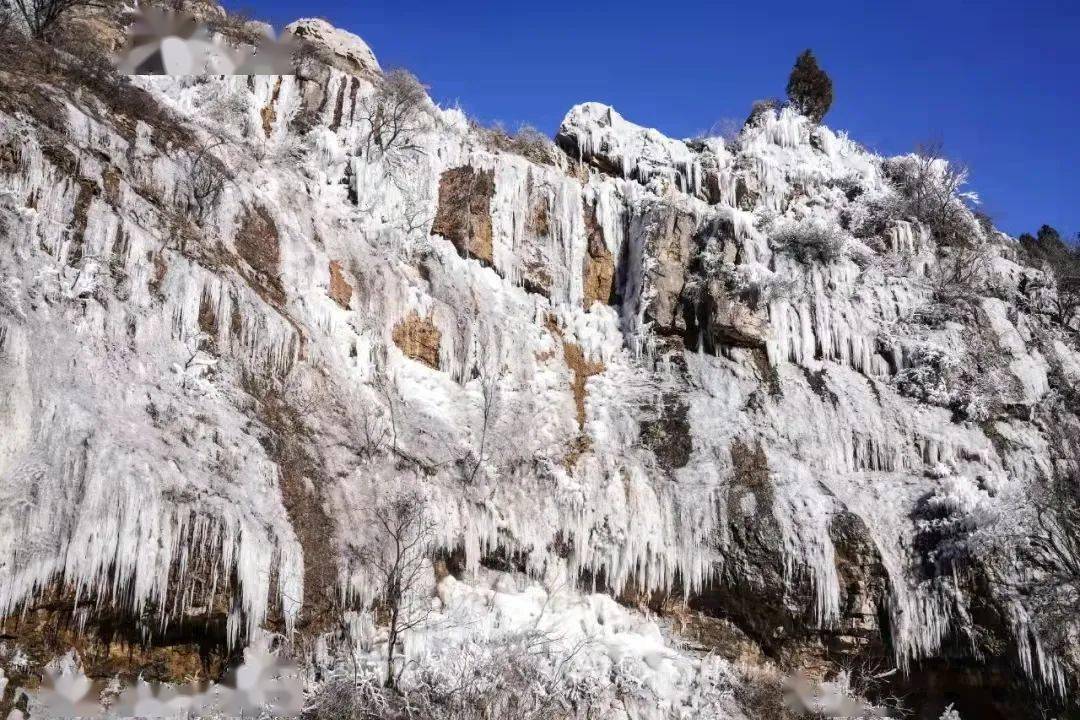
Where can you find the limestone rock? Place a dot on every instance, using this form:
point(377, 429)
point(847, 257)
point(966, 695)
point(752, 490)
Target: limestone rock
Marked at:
point(419, 339)
point(464, 213)
point(343, 49)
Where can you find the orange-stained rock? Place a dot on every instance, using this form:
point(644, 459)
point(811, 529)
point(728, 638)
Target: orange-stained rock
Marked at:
point(599, 271)
point(464, 213)
point(340, 289)
point(419, 339)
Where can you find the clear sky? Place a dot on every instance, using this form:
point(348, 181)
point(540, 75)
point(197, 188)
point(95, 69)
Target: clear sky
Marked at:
point(997, 81)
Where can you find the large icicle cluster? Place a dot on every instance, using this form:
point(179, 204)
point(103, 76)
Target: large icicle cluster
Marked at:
point(633, 290)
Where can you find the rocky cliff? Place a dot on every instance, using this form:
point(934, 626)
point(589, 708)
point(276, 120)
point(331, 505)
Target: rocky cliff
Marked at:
point(789, 423)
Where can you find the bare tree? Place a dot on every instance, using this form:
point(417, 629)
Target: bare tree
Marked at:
point(480, 363)
point(387, 387)
point(1060, 261)
point(490, 397)
point(235, 26)
point(727, 129)
point(1067, 301)
point(930, 184)
point(42, 16)
point(960, 270)
point(205, 180)
point(525, 675)
point(397, 559)
point(373, 430)
point(395, 113)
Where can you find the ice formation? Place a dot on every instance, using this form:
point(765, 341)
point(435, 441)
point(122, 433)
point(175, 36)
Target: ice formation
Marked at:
point(141, 462)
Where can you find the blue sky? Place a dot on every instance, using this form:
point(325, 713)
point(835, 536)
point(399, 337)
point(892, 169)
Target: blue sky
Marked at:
point(997, 81)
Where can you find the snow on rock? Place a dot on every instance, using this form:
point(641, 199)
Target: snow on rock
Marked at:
point(348, 49)
point(597, 134)
point(182, 404)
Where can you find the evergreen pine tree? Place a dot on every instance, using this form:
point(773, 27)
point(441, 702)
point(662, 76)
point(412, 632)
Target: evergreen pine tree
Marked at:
point(809, 88)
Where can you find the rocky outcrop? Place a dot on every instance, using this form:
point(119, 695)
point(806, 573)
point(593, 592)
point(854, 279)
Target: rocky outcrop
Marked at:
point(671, 232)
point(258, 245)
point(797, 459)
point(340, 290)
point(598, 279)
point(340, 48)
point(419, 339)
point(463, 215)
point(598, 135)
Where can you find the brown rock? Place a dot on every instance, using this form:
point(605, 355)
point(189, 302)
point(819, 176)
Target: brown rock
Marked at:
point(419, 339)
point(257, 241)
point(258, 245)
point(269, 113)
point(670, 244)
point(340, 290)
point(464, 213)
point(599, 271)
point(110, 184)
point(729, 321)
point(583, 369)
point(535, 277)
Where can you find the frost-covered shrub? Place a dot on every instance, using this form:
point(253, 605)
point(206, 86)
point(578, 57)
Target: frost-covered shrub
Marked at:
point(974, 382)
point(810, 242)
point(1047, 252)
point(751, 283)
point(527, 142)
point(203, 181)
point(516, 677)
point(929, 190)
point(758, 286)
point(927, 374)
point(950, 713)
point(727, 129)
point(850, 185)
point(961, 271)
point(237, 27)
point(951, 524)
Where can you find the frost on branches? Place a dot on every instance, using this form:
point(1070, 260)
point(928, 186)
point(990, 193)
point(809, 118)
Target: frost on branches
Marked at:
point(653, 368)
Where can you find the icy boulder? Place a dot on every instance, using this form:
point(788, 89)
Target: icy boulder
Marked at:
point(347, 51)
point(596, 134)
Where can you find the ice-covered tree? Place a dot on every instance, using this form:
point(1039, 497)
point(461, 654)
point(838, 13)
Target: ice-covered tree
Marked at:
point(395, 114)
point(809, 88)
point(397, 561)
point(1047, 251)
point(42, 16)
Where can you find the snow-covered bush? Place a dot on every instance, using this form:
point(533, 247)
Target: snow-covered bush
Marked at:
point(810, 242)
point(527, 142)
point(763, 106)
point(1061, 263)
point(204, 179)
point(974, 384)
point(751, 283)
point(951, 523)
point(950, 714)
point(928, 190)
point(515, 677)
point(961, 271)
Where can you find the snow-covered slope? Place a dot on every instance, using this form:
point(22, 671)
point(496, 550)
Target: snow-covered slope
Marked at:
point(614, 366)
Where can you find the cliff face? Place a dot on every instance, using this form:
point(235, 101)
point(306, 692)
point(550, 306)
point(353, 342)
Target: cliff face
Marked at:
point(733, 384)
